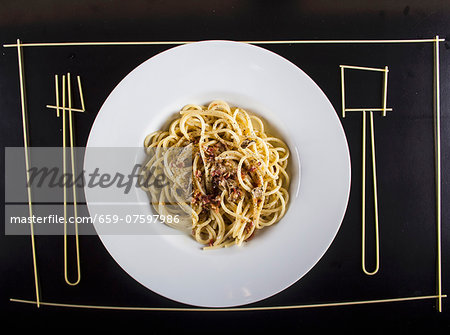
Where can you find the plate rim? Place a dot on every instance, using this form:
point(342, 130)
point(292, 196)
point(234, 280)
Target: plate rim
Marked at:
point(348, 162)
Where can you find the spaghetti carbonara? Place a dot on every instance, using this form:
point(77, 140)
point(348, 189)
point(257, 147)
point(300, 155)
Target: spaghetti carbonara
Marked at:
point(223, 172)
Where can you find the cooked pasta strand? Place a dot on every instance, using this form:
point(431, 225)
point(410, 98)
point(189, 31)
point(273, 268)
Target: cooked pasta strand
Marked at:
point(236, 183)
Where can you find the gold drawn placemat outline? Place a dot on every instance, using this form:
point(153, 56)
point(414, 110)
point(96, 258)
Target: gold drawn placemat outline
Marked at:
point(437, 146)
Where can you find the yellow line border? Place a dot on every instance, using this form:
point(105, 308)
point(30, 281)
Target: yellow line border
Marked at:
point(26, 141)
point(59, 44)
point(230, 309)
point(437, 138)
point(435, 41)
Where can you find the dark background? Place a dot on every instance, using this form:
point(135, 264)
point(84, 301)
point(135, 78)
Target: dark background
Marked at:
point(404, 140)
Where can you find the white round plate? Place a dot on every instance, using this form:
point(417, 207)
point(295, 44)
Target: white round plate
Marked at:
point(264, 83)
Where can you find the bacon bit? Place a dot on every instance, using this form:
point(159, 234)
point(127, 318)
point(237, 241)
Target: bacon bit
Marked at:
point(252, 168)
point(235, 193)
point(248, 226)
point(210, 201)
point(198, 174)
point(250, 237)
point(211, 242)
point(214, 150)
point(218, 170)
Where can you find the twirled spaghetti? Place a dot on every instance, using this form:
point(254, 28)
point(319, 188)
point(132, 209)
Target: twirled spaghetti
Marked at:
point(227, 175)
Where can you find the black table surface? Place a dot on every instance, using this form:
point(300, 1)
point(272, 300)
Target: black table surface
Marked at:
point(404, 141)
